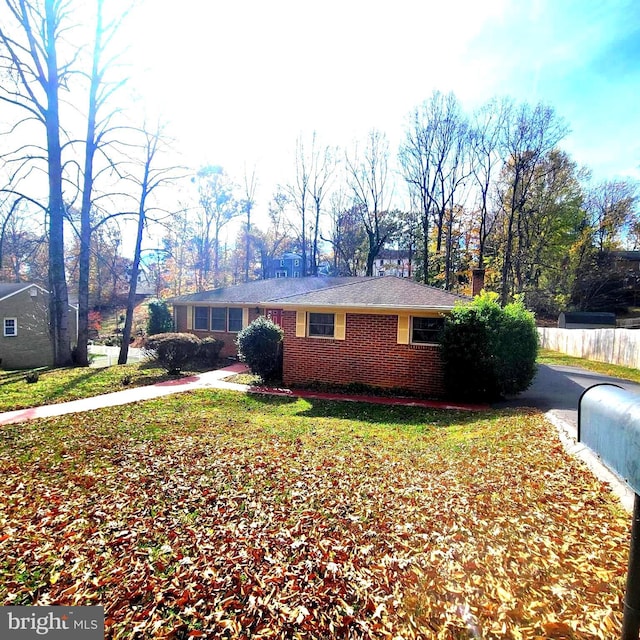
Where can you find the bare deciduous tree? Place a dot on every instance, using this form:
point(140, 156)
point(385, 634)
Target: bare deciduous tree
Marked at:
point(434, 163)
point(367, 177)
point(530, 133)
point(152, 178)
point(31, 34)
point(248, 202)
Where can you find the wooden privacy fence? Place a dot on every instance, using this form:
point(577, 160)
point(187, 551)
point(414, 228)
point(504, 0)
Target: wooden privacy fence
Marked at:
point(615, 346)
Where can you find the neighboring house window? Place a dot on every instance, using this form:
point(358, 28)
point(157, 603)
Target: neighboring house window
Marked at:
point(218, 319)
point(426, 330)
point(10, 326)
point(296, 263)
point(381, 273)
point(281, 274)
point(235, 320)
point(381, 263)
point(201, 319)
point(321, 325)
point(282, 263)
point(296, 274)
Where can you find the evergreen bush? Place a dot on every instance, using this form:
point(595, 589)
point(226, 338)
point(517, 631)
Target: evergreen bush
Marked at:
point(260, 346)
point(172, 350)
point(160, 320)
point(210, 350)
point(488, 351)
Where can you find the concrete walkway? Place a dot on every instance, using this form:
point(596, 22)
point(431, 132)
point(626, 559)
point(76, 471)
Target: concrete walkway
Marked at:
point(207, 380)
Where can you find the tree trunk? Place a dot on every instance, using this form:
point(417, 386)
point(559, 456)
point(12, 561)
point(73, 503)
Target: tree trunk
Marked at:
point(133, 282)
point(82, 356)
point(58, 298)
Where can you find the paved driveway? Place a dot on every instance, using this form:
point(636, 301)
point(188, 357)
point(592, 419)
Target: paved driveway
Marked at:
point(558, 388)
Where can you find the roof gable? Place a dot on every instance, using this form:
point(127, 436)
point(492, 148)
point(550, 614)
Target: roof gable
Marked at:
point(8, 289)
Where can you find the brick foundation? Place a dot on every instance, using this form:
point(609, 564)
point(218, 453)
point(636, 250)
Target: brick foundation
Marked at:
point(368, 355)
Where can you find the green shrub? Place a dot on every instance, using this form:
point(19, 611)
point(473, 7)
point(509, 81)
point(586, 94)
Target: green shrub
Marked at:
point(210, 350)
point(160, 320)
point(260, 346)
point(488, 351)
point(172, 351)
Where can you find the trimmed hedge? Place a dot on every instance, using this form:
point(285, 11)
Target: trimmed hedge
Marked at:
point(173, 350)
point(210, 349)
point(260, 346)
point(488, 351)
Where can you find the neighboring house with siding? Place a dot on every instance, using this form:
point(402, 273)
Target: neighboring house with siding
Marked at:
point(393, 262)
point(24, 334)
point(377, 331)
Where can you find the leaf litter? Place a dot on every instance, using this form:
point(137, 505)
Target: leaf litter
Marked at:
point(209, 516)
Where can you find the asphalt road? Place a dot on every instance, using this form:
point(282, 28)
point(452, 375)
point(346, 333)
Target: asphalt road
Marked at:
point(558, 389)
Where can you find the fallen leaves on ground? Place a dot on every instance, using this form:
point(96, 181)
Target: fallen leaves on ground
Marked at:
point(216, 515)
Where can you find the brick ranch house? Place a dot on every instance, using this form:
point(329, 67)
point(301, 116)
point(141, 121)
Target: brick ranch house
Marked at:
point(375, 331)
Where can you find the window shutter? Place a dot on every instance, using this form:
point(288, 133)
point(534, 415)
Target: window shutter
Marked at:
point(301, 324)
point(189, 318)
point(403, 329)
point(339, 327)
point(245, 317)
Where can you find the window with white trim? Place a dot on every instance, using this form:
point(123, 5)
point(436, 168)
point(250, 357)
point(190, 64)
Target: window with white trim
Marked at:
point(10, 327)
point(426, 330)
point(321, 325)
point(235, 319)
point(201, 318)
point(218, 319)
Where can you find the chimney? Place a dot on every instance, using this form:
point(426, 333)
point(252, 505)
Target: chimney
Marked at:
point(477, 281)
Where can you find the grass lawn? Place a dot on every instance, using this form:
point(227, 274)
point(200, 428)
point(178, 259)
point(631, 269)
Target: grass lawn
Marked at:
point(221, 515)
point(547, 356)
point(61, 385)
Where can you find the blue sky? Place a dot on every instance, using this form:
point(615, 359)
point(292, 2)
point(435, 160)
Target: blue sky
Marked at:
point(239, 80)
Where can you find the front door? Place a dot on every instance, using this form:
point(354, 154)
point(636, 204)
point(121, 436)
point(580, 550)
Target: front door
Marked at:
point(275, 315)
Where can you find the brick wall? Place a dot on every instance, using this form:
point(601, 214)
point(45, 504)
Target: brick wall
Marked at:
point(368, 355)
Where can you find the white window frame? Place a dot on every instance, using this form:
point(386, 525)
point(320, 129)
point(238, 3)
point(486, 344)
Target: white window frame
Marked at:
point(197, 310)
point(412, 341)
point(217, 309)
point(316, 335)
point(15, 327)
point(229, 330)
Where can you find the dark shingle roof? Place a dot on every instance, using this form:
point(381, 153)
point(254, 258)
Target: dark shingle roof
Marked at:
point(8, 288)
point(259, 291)
point(590, 317)
point(384, 292)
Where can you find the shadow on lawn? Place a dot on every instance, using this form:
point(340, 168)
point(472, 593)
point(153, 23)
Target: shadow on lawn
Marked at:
point(379, 413)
